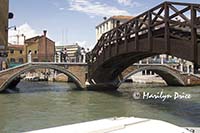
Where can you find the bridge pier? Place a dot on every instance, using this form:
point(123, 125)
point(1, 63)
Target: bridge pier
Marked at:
point(102, 87)
point(196, 67)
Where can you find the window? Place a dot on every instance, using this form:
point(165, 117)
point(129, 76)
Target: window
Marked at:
point(12, 51)
point(12, 60)
point(35, 51)
point(21, 60)
point(143, 72)
point(20, 51)
point(72, 60)
point(107, 26)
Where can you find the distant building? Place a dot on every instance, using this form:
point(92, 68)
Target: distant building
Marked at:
point(42, 48)
point(73, 52)
point(16, 55)
point(110, 23)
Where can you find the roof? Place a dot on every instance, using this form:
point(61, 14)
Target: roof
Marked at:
point(33, 38)
point(120, 17)
point(16, 46)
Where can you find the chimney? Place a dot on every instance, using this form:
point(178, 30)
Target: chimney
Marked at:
point(45, 44)
point(45, 33)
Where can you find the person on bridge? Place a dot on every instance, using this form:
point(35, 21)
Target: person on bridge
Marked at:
point(83, 54)
point(87, 55)
point(65, 55)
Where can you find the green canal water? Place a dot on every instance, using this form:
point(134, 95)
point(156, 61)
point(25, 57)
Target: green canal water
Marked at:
point(44, 105)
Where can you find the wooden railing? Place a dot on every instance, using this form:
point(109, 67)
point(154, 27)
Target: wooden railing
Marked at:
point(168, 15)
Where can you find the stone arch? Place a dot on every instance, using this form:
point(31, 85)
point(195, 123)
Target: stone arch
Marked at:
point(169, 76)
point(32, 67)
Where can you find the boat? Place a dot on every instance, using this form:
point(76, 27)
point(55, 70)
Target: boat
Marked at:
point(32, 78)
point(147, 79)
point(119, 125)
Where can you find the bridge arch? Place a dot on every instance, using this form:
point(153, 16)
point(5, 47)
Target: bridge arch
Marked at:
point(169, 76)
point(30, 67)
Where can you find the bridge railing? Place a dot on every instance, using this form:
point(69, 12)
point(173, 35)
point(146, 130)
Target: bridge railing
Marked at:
point(168, 15)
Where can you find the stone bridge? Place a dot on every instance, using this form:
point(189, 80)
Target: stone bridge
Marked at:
point(171, 76)
point(76, 71)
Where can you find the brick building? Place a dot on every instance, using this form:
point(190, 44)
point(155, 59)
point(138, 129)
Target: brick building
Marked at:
point(41, 47)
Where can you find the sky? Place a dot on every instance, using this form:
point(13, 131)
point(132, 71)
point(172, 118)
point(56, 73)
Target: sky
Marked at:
point(70, 21)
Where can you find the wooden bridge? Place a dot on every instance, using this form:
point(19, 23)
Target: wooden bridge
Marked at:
point(170, 28)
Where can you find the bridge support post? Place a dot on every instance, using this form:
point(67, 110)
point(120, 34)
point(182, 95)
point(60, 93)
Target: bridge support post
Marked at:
point(194, 38)
point(196, 67)
point(167, 36)
point(150, 31)
point(136, 35)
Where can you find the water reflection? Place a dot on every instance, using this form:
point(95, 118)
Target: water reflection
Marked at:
point(57, 104)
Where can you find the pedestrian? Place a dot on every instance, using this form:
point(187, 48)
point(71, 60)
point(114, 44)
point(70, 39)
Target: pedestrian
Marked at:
point(83, 53)
point(61, 56)
point(87, 55)
point(65, 55)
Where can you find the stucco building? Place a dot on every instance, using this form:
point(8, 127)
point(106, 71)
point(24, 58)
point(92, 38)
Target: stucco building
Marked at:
point(16, 55)
point(3, 25)
point(3, 30)
point(109, 24)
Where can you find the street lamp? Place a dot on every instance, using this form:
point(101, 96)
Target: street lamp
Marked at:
point(11, 27)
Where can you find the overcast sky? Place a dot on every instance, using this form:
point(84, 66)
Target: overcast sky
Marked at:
point(70, 21)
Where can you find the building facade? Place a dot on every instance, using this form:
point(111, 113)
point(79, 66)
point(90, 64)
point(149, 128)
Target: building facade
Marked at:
point(110, 23)
point(16, 55)
point(3, 30)
point(3, 25)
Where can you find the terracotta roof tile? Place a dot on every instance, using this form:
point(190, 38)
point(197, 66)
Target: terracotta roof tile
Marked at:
point(122, 17)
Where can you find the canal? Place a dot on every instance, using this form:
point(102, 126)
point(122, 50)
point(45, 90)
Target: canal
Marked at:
point(44, 105)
